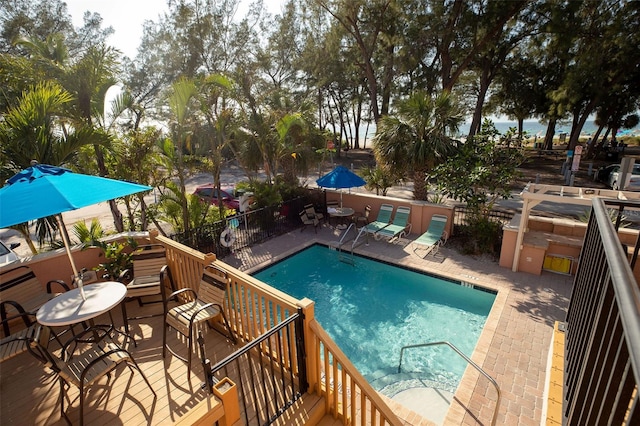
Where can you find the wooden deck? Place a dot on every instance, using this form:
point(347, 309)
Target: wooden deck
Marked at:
point(29, 392)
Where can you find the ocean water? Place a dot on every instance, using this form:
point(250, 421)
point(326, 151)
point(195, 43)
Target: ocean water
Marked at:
point(532, 127)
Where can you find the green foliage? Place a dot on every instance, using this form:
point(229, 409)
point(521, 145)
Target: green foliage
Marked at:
point(266, 194)
point(418, 137)
point(613, 217)
point(480, 236)
point(379, 179)
point(118, 256)
point(488, 171)
point(270, 194)
point(513, 137)
point(169, 209)
point(437, 198)
point(89, 235)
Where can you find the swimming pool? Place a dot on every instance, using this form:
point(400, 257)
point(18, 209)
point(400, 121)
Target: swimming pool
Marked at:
point(372, 309)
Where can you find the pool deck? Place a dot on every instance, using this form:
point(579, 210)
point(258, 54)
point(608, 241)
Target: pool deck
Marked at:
point(513, 347)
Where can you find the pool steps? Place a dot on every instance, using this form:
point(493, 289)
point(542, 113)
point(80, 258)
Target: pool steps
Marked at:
point(389, 382)
point(344, 256)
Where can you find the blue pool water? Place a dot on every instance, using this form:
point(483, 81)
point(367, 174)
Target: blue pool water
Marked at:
point(373, 309)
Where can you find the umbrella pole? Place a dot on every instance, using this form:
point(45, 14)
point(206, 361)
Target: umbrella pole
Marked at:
point(67, 246)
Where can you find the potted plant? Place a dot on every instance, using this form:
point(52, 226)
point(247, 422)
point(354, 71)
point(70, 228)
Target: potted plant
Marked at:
point(117, 257)
point(118, 260)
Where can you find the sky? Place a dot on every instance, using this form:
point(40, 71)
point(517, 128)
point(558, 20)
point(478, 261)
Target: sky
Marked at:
point(127, 16)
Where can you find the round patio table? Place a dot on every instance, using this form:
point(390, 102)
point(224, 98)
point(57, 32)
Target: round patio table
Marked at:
point(69, 308)
point(341, 213)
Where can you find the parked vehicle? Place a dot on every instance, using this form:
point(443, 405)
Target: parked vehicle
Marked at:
point(611, 176)
point(7, 255)
point(210, 194)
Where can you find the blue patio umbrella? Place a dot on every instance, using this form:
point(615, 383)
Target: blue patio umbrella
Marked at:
point(42, 190)
point(340, 178)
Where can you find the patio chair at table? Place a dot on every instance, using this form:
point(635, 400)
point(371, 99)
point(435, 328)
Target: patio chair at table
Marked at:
point(150, 274)
point(308, 221)
point(383, 219)
point(20, 285)
point(312, 212)
point(331, 204)
point(85, 359)
point(433, 238)
point(399, 227)
point(362, 216)
point(17, 342)
point(201, 306)
point(60, 286)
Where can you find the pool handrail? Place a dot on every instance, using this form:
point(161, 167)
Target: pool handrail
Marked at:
point(466, 358)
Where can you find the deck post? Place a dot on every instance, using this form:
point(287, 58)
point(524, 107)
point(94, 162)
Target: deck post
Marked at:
point(227, 391)
point(308, 310)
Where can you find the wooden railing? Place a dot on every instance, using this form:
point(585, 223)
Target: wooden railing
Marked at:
point(253, 308)
point(347, 394)
point(185, 263)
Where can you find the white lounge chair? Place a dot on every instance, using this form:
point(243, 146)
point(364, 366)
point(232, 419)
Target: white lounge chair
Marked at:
point(434, 237)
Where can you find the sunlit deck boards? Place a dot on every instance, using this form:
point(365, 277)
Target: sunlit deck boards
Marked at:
point(29, 393)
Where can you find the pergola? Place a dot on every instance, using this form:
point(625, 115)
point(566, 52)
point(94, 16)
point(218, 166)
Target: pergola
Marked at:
point(534, 194)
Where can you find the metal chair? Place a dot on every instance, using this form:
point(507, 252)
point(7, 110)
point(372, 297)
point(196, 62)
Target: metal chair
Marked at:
point(207, 303)
point(313, 213)
point(362, 217)
point(306, 220)
point(331, 204)
point(150, 272)
point(85, 359)
point(15, 343)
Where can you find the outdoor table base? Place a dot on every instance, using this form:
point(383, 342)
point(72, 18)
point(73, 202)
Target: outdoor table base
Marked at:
point(342, 214)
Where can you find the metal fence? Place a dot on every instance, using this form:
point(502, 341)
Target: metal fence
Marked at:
point(270, 371)
point(461, 215)
point(602, 351)
point(249, 228)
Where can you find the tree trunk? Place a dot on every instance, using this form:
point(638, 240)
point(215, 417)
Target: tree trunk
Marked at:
point(118, 221)
point(551, 131)
point(520, 131)
point(23, 228)
point(477, 112)
point(420, 189)
point(357, 119)
point(591, 148)
point(388, 80)
point(577, 129)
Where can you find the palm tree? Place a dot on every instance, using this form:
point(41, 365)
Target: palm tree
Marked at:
point(183, 109)
point(418, 137)
point(35, 129)
point(214, 97)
